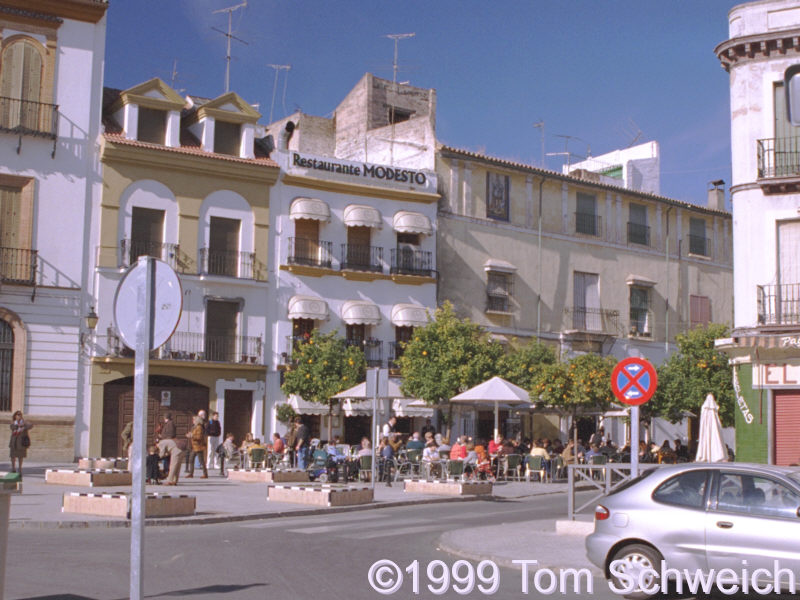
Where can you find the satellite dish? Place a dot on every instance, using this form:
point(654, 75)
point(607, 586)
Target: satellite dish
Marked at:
point(167, 302)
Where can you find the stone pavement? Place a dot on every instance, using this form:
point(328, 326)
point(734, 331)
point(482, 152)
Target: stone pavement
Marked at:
point(218, 500)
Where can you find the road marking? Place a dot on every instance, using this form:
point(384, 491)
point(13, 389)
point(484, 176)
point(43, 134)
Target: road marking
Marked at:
point(391, 531)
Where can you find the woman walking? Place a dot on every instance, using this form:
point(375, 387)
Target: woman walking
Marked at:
point(19, 442)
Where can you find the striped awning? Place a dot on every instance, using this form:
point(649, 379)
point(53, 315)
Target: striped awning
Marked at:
point(304, 407)
point(308, 307)
point(406, 221)
point(360, 215)
point(361, 312)
point(309, 208)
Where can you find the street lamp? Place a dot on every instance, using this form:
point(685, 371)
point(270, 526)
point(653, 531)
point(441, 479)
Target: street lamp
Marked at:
point(90, 322)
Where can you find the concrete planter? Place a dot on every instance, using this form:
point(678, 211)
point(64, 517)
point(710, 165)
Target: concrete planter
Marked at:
point(321, 495)
point(448, 488)
point(118, 505)
point(90, 478)
point(268, 475)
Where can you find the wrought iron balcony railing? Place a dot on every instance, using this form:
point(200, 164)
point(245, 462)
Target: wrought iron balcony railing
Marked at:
point(229, 264)
point(588, 224)
point(406, 261)
point(362, 258)
point(197, 347)
point(778, 304)
point(26, 117)
point(131, 250)
point(373, 350)
point(638, 234)
point(778, 157)
point(598, 320)
point(18, 265)
point(311, 253)
point(396, 350)
point(498, 303)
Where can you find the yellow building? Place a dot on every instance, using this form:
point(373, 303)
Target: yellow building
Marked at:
point(185, 180)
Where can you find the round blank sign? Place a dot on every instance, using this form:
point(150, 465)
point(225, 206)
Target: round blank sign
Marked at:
point(167, 304)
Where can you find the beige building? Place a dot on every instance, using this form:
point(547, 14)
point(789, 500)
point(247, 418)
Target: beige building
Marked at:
point(184, 181)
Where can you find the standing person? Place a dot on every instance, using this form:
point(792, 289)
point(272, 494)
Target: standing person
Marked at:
point(20, 441)
point(291, 437)
point(390, 427)
point(127, 441)
point(427, 428)
point(168, 448)
point(301, 442)
point(214, 434)
point(199, 445)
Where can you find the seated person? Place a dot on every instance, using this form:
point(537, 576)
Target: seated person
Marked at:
point(278, 446)
point(334, 453)
point(470, 460)
point(495, 445)
point(459, 449)
point(395, 442)
point(229, 452)
point(592, 452)
point(386, 454)
point(415, 443)
point(538, 450)
point(430, 458)
point(366, 447)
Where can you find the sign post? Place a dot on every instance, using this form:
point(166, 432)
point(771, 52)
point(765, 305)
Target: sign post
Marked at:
point(634, 381)
point(147, 308)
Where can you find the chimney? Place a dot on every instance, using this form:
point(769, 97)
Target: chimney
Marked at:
point(716, 195)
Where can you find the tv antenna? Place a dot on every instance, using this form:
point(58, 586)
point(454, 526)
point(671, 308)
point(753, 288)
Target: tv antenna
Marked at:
point(397, 37)
point(278, 69)
point(540, 126)
point(229, 35)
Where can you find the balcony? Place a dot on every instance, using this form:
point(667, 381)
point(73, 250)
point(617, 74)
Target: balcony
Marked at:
point(373, 350)
point(592, 320)
point(406, 261)
point(395, 352)
point(131, 250)
point(588, 224)
point(310, 253)
point(638, 234)
point(778, 304)
point(698, 244)
point(18, 265)
point(779, 164)
point(356, 257)
point(26, 117)
point(229, 264)
point(196, 347)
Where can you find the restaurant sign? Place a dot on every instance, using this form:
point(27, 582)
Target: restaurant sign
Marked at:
point(776, 376)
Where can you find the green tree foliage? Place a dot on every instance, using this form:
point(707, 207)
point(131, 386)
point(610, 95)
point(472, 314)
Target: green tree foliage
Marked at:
point(522, 365)
point(447, 356)
point(581, 384)
point(323, 366)
point(689, 375)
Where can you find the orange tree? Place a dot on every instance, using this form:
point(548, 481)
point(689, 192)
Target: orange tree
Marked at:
point(323, 366)
point(447, 356)
point(521, 365)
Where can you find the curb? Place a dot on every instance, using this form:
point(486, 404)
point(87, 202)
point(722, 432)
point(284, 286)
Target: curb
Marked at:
point(216, 519)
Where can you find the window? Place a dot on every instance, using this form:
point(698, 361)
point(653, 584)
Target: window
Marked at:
point(227, 138)
point(697, 237)
point(398, 115)
point(221, 321)
point(17, 258)
point(640, 316)
point(223, 247)
point(21, 86)
point(358, 254)
point(586, 219)
point(147, 233)
point(6, 365)
point(687, 489)
point(699, 310)
point(786, 160)
point(638, 231)
point(498, 291)
point(152, 125)
point(752, 495)
point(586, 315)
point(497, 187)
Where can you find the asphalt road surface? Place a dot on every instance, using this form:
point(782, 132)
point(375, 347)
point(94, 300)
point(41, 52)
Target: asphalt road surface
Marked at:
point(298, 558)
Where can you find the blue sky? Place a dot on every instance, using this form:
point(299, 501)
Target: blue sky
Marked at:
point(602, 71)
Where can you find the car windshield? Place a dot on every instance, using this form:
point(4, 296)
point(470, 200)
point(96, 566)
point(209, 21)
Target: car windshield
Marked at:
point(631, 482)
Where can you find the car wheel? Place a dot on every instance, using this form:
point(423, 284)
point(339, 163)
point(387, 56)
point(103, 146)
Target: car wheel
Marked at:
point(323, 478)
point(635, 558)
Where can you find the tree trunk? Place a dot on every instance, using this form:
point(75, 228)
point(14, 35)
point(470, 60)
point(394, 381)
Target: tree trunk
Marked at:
point(330, 419)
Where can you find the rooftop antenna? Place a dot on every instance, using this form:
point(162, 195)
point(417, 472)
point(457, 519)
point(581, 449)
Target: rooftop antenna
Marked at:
point(397, 37)
point(278, 69)
point(230, 36)
point(174, 74)
point(540, 126)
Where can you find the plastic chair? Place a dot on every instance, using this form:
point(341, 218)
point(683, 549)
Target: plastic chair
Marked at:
point(455, 469)
point(556, 468)
point(512, 464)
point(319, 459)
point(534, 464)
point(258, 457)
point(365, 468)
point(414, 457)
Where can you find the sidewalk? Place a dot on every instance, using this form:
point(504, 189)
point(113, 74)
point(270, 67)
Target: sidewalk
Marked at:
point(218, 500)
point(528, 540)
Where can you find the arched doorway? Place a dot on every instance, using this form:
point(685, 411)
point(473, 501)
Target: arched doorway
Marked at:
point(179, 397)
point(6, 365)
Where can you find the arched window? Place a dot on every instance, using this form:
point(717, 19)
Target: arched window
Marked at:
point(21, 71)
point(6, 365)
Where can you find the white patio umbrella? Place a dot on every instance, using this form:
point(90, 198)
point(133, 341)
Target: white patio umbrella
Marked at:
point(710, 447)
point(495, 391)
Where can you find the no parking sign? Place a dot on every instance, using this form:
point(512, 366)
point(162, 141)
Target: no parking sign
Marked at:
point(634, 381)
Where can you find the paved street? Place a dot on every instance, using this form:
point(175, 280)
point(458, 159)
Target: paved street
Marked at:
point(290, 557)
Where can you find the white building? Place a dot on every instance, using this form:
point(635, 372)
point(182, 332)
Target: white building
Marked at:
point(637, 168)
point(765, 194)
point(51, 81)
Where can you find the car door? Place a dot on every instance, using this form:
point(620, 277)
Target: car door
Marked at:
point(752, 523)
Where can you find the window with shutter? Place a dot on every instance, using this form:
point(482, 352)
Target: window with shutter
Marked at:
point(699, 310)
point(21, 85)
point(498, 291)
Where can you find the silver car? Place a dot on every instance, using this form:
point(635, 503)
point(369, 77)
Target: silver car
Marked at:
point(699, 516)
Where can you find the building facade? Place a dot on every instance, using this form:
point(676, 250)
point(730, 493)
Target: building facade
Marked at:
point(185, 181)
point(765, 343)
point(51, 82)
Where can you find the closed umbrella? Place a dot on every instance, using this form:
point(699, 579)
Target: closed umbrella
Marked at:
point(495, 391)
point(710, 447)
